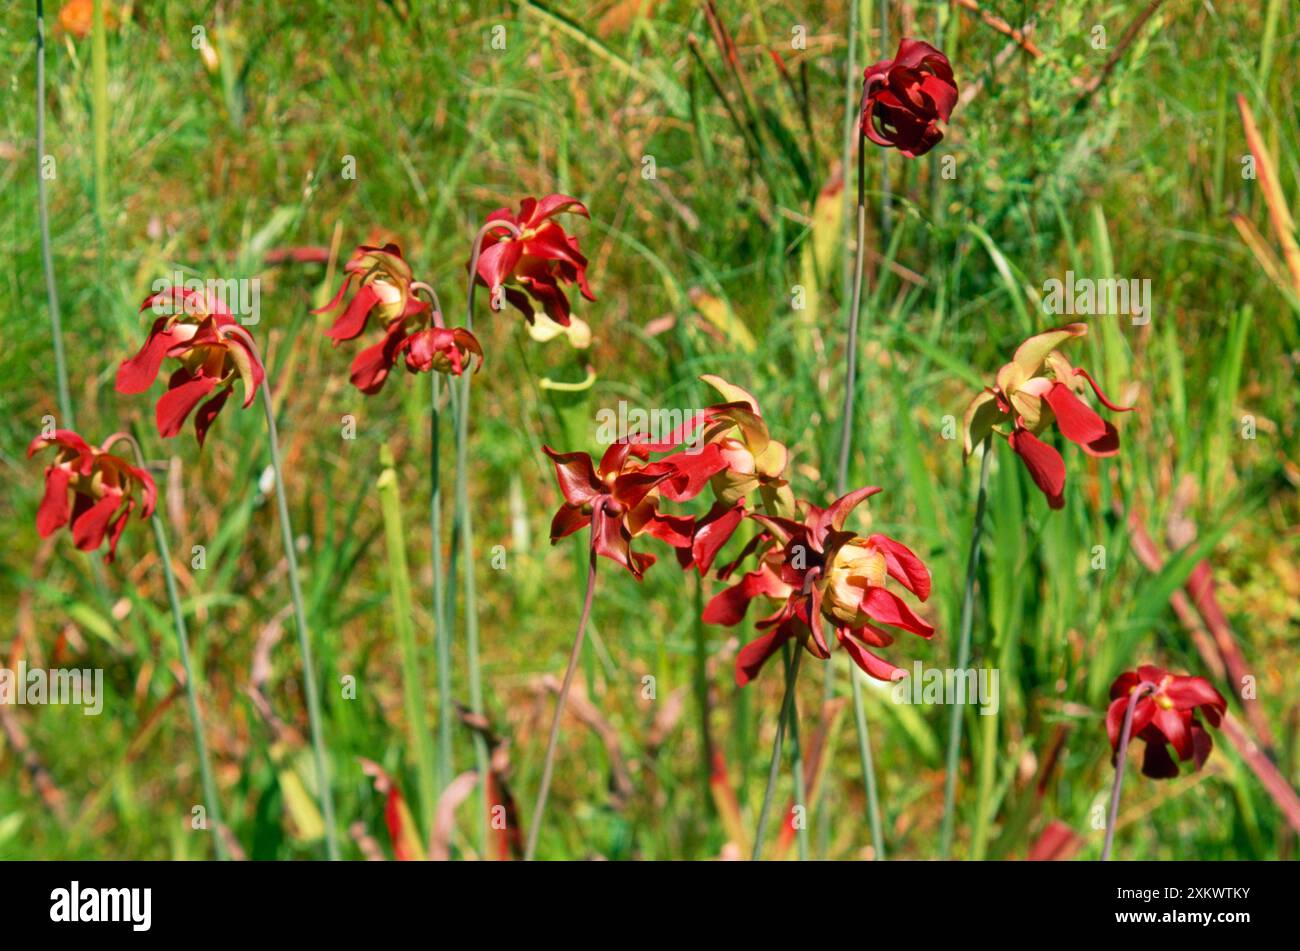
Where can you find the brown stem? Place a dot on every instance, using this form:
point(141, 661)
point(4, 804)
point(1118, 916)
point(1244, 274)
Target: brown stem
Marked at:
point(1120, 753)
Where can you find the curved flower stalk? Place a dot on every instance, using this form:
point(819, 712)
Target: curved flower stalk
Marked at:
point(618, 501)
point(193, 329)
point(413, 329)
point(1163, 710)
point(529, 256)
point(102, 484)
point(1037, 388)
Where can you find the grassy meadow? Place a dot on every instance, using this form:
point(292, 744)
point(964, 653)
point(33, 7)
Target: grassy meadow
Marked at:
point(217, 138)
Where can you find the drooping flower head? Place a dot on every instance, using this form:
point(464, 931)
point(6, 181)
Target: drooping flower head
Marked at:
point(386, 291)
point(194, 329)
point(904, 98)
point(619, 499)
point(91, 489)
point(1166, 715)
point(534, 265)
point(813, 573)
point(1037, 388)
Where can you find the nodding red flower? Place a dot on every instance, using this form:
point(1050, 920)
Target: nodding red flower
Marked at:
point(1039, 387)
point(385, 290)
point(103, 490)
point(904, 98)
point(1167, 715)
point(815, 573)
point(536, 262)
point(193, 330)
point(619, 499)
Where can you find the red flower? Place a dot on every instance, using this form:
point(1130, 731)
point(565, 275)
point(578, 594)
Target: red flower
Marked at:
point(814, 572)
point(194, 331)
point(103, 488)
point(903, 98)
point(1039, 387)
point(1167, 714)
point(385, 289)
point(536, 262)
point(619, 499)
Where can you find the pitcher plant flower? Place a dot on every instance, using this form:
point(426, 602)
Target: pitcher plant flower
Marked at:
point(816, 574)
point(193, 330)
point(533, 259)
point(90, 489)
point(904, 98)
point(1037, 388)
point(1166, 714)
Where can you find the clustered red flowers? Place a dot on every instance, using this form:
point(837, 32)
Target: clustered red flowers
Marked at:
point(904, 98)
point(811, 571)
point(91, 490)
point(1166, 715)
point(1037, 388)
point(387, 292)
point(194, 330)
point(529, 257)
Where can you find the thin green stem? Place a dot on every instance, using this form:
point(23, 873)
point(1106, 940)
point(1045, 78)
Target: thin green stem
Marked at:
point(300, 615)
point(43, 213)
point(465, 525)
point(1121, 753)
point(841, 482)
point(702, 691)
point(213, 803)
point(963, 653)
point(797, 769)
point(548, 764)
point(787, 705)
point(441, 627)
point(399, 580)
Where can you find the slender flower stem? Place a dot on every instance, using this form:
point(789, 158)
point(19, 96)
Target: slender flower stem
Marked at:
point(43, 212)
point(213, 804)
point(1121, 753)
point(702, 690)
point(300, 615)
point(441, 628)
point(841, 482)
point(797, 769)
point(548, 765)
point(787, 706)
point(963, 653)
point(466, 527)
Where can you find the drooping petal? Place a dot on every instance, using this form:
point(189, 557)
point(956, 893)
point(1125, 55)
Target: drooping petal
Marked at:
point(1157, 763)
point(498, 261)
point(136, 374)
point(1174, 725)
point(885, 607)
point(208, 412)
point(869, 663)
point(1080, 371)
point(904, 567)
point(53, 511)
point(752, 657)
point(1045, 465)
point(184, 394)
point(1076, 420)
point(568, 519)
point(712, 532)
point(88, 527)
point(352, 321)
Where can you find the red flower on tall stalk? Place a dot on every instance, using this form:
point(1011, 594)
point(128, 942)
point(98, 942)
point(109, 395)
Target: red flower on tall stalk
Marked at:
point(1165, 715)
point(619, 499)
point(192, 330)
point(815, 573)
point(1037, 388)
point(533, 265)
point(386, 291)
point(102, 487)
point(904, 98)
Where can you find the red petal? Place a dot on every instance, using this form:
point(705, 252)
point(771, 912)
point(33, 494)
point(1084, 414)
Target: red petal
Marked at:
point(176, 403)
point(755, 654)
point(1045, 465)
point(207, 413)
point(498, 261)
point(1174, 724)
point(1080, 371)
point(873, 666)
point(53, 512)
point(577, 477)
point(1077, 422)
point(904, 567)
point(138, 373)
point(886, 607)
point(714, 531)
point(89, 527)
point(353, 320)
